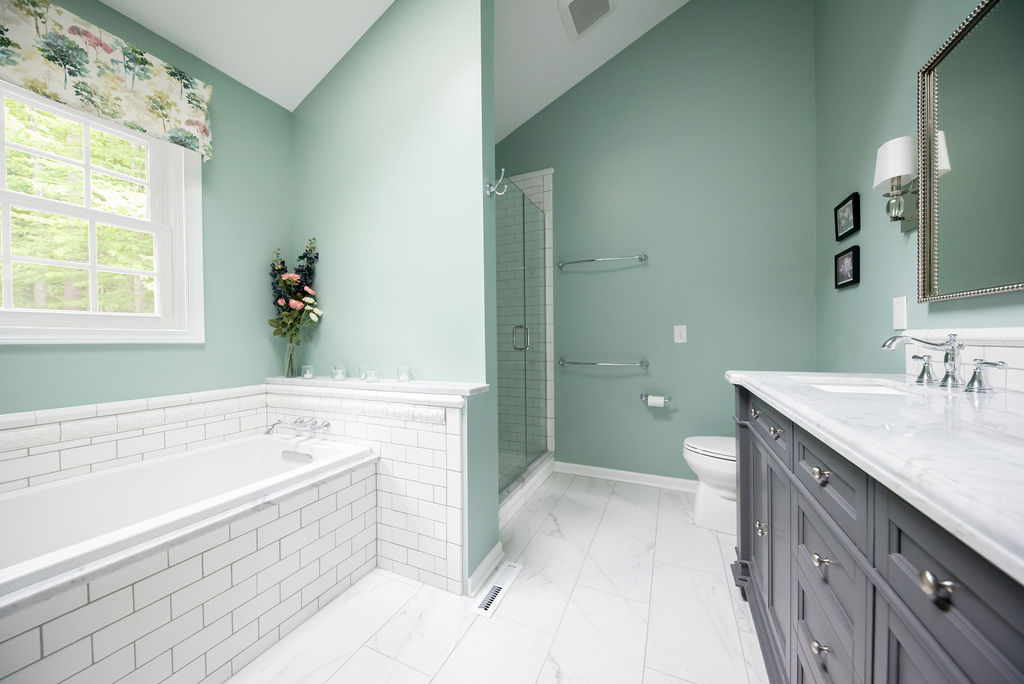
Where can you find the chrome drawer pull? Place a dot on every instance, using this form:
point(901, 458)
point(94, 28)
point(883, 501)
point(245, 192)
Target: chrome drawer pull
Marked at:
point(761, 528)
point(939, 592)
point(774, 431)
point(821, 475)
point(754, 413)
point(818, 648)
point(819, 560)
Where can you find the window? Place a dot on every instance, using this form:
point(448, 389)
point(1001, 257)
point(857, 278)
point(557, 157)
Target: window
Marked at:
point(100, 229)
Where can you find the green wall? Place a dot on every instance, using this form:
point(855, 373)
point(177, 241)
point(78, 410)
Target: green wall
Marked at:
point(391, 150)
point(246, 213)
point(387, 177)
point(695, 144)
point(867, 53)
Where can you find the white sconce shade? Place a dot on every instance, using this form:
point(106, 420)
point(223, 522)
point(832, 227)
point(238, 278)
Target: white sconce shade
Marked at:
point(896, 158)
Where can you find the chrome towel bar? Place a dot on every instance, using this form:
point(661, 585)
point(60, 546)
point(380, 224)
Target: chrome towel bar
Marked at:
point(641, 363)
point(642, 258)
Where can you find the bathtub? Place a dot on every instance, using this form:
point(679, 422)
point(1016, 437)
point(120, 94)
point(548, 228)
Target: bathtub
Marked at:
point(84, 558)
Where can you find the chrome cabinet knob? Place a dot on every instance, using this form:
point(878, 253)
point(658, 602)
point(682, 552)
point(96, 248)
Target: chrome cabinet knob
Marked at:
point(761, 528)
point(817, 648)
point(941, 592)
point(754, 413)
point(774, 431)
point(821, 475)
point(820, 560)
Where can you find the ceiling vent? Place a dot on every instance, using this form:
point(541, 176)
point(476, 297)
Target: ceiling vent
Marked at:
point(580, 15)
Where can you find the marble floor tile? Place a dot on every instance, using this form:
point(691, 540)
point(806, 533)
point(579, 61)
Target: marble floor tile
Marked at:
point(539, 595)
point(426, 629)
point(322, 644)
point(683, 543)
point(633, 504)
point(496, 651)
point(601, 640)
point(655, 677)
point(679, 501)
point(753, 658)
point(693, 632)
point(621, 560)
point(369, 667)
point(578, 513)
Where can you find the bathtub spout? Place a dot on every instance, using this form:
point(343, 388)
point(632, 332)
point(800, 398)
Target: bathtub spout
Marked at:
point(274, 426)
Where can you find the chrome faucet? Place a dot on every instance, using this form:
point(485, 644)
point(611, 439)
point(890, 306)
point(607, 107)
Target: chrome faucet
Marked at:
point(951, 347)
point(273, 426)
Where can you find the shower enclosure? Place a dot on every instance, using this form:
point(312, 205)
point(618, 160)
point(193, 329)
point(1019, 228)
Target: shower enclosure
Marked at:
point(522, 369)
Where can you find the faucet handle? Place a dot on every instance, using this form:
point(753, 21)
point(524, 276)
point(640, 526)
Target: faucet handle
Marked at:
point(977, 382)
point(925, 376)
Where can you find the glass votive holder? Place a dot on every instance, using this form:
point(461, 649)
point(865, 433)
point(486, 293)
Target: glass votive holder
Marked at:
point(362, 372)
point(307, 372)
point(339, 373)
point(371, 375)
point(403, 374)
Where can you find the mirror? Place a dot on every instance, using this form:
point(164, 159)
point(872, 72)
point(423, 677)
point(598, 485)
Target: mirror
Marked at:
point(971, 235)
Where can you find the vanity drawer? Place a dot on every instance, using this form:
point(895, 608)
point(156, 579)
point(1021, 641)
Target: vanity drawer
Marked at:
point(814, 628)
point(981, 623)
point(830, 571)
point(839, 486)
point(775, 429)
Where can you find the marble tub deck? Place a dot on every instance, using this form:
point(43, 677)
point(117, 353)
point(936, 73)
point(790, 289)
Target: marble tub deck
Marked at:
point(618, 585)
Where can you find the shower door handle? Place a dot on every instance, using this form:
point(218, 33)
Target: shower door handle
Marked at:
point(525, 329)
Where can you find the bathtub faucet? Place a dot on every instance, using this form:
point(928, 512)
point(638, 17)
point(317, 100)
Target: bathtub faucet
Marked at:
point(305, 424)
point(951, 347)
point(273, 426)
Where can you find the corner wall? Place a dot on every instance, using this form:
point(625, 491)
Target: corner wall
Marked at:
point(696, 145)
point(867, 54)
point(246, 213)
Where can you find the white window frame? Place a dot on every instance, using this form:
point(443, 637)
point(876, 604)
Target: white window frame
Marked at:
point(176, 217)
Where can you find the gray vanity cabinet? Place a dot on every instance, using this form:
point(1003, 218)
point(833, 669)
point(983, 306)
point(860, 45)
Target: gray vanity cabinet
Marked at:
point(845, 580)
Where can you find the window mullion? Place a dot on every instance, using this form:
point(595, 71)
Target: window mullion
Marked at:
point(3, 147)
point(5, 248)
point(94, 286)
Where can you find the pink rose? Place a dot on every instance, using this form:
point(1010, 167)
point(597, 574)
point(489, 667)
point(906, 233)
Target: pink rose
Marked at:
point(291, 276)
point(280, 302)
point(295, 304)
point(309, 290)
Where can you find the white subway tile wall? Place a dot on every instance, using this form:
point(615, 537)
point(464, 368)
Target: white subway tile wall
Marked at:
point(206, 605)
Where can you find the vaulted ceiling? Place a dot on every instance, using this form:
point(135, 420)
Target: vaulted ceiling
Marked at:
point(535, 59)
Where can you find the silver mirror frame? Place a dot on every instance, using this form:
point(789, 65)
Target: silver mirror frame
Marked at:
point(928, 197)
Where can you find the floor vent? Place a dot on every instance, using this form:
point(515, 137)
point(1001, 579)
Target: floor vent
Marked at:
point(492, 596)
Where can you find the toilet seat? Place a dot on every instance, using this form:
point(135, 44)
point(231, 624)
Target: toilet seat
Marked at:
point(722, 448)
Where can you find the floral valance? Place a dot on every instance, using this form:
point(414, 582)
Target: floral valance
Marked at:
point(54, 53)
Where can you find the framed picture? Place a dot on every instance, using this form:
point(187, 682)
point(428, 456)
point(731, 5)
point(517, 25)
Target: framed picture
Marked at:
point(848, 267)
point(847, 216)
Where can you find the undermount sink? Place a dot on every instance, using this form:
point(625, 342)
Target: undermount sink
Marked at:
point(840, 385)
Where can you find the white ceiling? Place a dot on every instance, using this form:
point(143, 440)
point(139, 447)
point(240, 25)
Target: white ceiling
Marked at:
point(535, 61)
point(280, 50)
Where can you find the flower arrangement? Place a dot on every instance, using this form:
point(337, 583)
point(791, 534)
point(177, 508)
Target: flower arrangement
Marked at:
point(295, 300)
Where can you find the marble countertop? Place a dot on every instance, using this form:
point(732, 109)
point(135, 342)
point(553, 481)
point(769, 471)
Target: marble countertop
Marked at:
point(958, 458)
point(464, 389)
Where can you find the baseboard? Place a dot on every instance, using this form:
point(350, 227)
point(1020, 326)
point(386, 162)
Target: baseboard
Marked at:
point(486, 568)
point(662, 481)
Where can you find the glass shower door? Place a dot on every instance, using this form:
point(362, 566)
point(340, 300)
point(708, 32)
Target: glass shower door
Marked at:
point(522, 391)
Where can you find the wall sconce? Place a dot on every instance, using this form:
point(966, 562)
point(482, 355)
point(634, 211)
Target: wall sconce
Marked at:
point(896, 171)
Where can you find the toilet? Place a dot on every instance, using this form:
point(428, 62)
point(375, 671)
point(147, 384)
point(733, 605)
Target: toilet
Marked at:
point(713, 459)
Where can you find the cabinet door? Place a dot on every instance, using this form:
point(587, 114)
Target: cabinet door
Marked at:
point(758, 497)
point(779, 587)
point(906, 656)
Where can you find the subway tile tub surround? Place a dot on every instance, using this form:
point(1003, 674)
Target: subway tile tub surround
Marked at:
point(200, 600)
point(417, 431)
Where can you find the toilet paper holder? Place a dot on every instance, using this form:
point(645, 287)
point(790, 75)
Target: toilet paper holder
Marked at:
point(644, 395)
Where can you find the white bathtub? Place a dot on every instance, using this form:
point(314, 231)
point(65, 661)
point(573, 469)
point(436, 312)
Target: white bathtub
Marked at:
point(85, 523)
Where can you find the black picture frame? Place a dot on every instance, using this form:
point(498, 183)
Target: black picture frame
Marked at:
point(847, 267)
point(846, 216)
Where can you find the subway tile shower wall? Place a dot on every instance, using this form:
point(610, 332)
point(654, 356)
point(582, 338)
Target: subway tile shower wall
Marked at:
point(418, 437)
point(203, 606)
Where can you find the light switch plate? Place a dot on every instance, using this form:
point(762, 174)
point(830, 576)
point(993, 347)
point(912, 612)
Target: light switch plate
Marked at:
point(899, 313)
point(679, 333)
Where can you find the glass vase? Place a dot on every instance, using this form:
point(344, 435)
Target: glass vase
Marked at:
point(289, 361)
